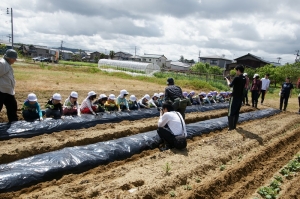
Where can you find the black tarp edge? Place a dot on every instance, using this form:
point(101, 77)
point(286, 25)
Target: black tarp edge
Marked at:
point(24, 129)
point(48, 165)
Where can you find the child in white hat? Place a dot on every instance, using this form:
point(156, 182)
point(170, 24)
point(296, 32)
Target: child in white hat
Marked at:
point(143, 102)
point(132, 103)
point(122, 101)
point(153, 102)
point(100, 103)
point(54, 107)
point(87, 106)
point(111, 104)
point(31, 108)
point(71, 106)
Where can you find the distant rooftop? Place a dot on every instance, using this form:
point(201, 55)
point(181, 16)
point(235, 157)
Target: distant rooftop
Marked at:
point(214, 57)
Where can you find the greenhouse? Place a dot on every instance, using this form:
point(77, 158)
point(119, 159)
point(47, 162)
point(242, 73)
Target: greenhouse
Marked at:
point(131, 66)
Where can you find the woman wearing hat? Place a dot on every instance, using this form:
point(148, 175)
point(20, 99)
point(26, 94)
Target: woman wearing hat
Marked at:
point(31, 108)
point(7, 85)
point(132, 103)
point(87, 106)
point(54, 107)
point(71, 106)
point(255, 90)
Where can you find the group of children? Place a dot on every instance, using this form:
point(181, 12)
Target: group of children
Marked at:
point(90, 105)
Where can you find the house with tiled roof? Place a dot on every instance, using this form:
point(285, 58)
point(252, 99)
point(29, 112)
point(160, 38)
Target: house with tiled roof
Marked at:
point(215, 60)
point(160, 60)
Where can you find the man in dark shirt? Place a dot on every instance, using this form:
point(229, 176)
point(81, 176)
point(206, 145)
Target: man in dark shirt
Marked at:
point(174, 94)
point(235, 103)
point(285, 93)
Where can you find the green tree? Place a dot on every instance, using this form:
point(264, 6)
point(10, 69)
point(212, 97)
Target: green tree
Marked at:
point(215, 70)
point(111, 54)
point(102, 56)
point(181, 58)
point(199, 67)
point(2, 49)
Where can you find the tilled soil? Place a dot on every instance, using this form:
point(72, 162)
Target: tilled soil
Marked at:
point(218, 165)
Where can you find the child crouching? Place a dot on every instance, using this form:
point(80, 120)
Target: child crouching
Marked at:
point(31, 109)
point(54, 107)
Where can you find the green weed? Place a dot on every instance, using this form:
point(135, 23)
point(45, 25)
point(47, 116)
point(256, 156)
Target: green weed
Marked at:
point(167, 168)
point(222, 167)
point(172, 194)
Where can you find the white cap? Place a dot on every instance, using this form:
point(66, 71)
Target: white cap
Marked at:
point(112, 97)
point(161, 94)
point(185, 94)
point(147, 97)
point(32, 97)
point(132, 98)
point(123, 92)
point(245, 74)
point(102, 96)
point(56, 96)
point(74, 94)
point(156, 95)
point(256, 75)
point(91, 93)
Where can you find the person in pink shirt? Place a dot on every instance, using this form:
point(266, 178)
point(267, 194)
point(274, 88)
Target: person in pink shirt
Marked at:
point(246, 89)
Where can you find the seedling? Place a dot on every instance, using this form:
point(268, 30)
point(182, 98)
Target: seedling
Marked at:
point(197, 179)
point(278, 178)
point(187, 187)
point(267, 192)
point(167, 168)
point(172, 194)
point(222, 167)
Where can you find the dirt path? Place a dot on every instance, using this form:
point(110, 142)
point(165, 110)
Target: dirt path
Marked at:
point(249, 157)
point(18, 148)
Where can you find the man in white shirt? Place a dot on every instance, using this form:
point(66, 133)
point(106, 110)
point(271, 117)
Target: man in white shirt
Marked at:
point(7, 85)
point(265, 84)
point(171, 127)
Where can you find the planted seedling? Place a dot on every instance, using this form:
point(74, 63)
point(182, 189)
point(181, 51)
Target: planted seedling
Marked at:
point(172, 194)
point(278, 178)
point(167, 168)
point(187, 187)
point(222, 167)
point(267, 192)
point(197, 179)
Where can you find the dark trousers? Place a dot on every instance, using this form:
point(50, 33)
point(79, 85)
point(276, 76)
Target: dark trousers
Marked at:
point(254, 97)
point(11, 106)
point(284, 99)
point(245, 99)
point(263, 94)
point(166, 135)
point(31, 115)
point(235, 104)
point(179, 107)
point(53, 113)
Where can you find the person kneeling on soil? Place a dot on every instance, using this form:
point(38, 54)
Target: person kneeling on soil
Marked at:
point(132, 103)
point(111, 104)
point(122, 101)
point(143, 102)
point(171, 128)
point(71, 106)
point(54, 107)
point(87, 106)
point(100, 103)
point(31, 108)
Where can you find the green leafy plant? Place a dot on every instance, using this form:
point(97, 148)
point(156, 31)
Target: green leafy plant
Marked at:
point(222, 167)
point(172, 194)
point(197, 179)
point(285, 172)
point(187, 187)
point(267, 192)
point(167, 168)
point(278, 178)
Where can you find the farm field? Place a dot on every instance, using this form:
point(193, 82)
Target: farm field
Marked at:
point(220, 164)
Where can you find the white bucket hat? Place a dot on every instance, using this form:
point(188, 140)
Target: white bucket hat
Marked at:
point(256, 75)
point(132, 98)
point(161, 94)
point(112, 97)
point(123, 92)
point(56, 96)
point(32, 97)
point(156, 95)
point(147, 97)
point(102, 96)
point(74, 94)
point(91, 93)
point(245, 74)
point(185, 94)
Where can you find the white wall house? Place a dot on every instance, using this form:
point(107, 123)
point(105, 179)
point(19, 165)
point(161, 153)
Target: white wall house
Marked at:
point(160, 60)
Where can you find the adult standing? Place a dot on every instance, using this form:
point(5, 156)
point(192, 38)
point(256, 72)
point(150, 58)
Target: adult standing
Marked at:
point(7, 85)
point(255, 90)
point(235, 103)
point(246, 88)
point(285, 93)
point(174, 94)
point(265, 84)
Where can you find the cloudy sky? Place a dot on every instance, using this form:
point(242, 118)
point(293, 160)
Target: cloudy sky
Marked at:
point(265, 28)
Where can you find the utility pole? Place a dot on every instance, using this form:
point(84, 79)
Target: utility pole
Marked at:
point(135, 51)
point(12, 26)
point(61, 45)
point(297, 56)
point(199, 56)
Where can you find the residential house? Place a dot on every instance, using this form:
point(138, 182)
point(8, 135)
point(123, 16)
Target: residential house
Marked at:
point(179, 66)
point(135, 58)
point(249, 61)
point(95, 56)
point(215, 60)
point(160, 60)
point(66, 54)
point(122, 56)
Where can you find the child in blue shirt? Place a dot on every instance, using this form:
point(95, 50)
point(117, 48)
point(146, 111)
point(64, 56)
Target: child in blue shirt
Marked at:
point(31, 109)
